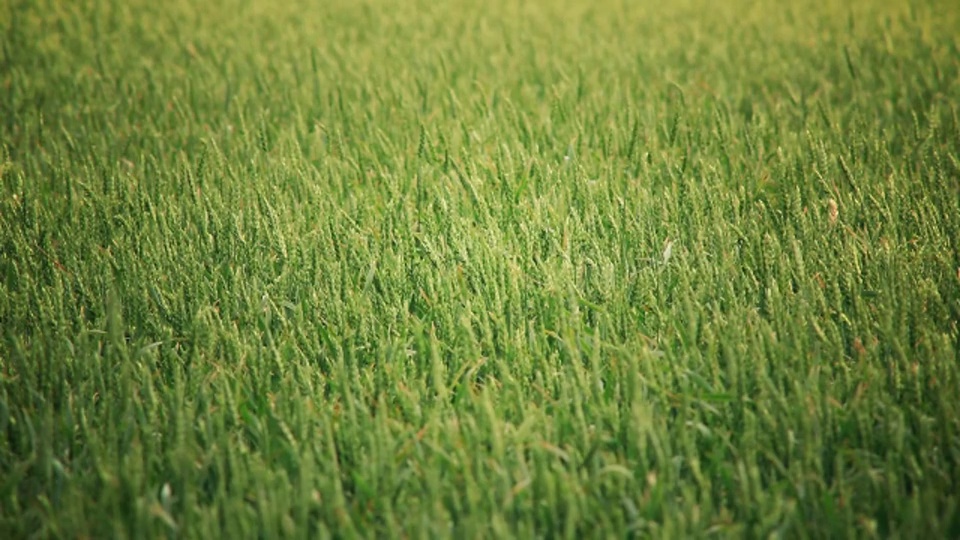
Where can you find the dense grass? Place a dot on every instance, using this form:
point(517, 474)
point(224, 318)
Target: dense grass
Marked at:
point(452, 269)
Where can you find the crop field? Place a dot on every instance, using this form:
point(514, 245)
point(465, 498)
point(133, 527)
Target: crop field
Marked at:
point(505, 269)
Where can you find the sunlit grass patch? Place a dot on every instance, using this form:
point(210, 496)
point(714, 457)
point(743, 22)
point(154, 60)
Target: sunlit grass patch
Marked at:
point(560, 269)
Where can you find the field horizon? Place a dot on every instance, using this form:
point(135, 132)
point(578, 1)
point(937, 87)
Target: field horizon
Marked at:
point(511, 269)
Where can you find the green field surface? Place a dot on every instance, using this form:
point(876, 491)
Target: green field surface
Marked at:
point(504, 269)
